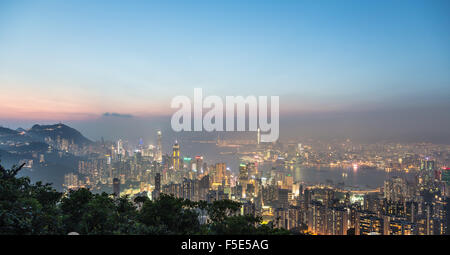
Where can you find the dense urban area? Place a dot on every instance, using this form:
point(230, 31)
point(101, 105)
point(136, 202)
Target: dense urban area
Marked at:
point(337, 187)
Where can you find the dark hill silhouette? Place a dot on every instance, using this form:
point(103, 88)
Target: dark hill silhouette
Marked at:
point(7, 131)
point(39, 133)
point(61, 130)
point(9, 135)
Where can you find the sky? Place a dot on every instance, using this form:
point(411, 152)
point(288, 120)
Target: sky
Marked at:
point(74, 61)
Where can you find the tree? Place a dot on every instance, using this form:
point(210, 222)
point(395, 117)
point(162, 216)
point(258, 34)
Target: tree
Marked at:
point(221, 209)
point(73, 207)
point(27, 208)
point(174, 214)
point(99, 215)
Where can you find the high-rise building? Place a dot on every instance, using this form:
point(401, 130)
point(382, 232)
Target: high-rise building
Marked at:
point(159, 147)
point(400, 227)
point(368, 223)
point(396, 189)
point(158, 182)
point(445, 175)
point(220, 172)
point(71, 181)
point(337, 221)
point(243, 175)
point(427, 165)
point(189, 191)
point(116, 187)
point(203, 187)
point(157, 191)
point(316, 218)
point(440, 214)
point(176, 156)
point(426, 174)
point(252, 170)
point(283, 198)
point(120, 146)
point(373, 202)
point(199, 164)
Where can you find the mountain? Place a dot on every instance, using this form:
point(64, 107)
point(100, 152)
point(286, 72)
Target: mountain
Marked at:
point(42, 134)
point(8, 135)
point(57, 130)
point(30, 145)
point(7, 131)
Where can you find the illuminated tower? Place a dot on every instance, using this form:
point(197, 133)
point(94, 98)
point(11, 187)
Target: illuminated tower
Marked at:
point(220, 173)
point(119, 147)
point(199, 164)
point(120, 151)
point(243, 177)
point(176, 156)
point(243, 173)
point(159, 147)
point(426, 174)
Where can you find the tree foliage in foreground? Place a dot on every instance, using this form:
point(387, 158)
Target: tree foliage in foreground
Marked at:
point(38, 209)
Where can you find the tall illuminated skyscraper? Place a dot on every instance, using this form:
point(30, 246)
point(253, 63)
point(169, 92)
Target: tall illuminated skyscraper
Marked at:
point(199, 164)
point(220, 172)
point(243, 178)
point(243, 173)
point(159, 147)
point(119, 147)
point(176, 156)
point(426, 174)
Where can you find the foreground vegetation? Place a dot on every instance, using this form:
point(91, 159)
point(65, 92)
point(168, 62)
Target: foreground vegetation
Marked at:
point(38, 209)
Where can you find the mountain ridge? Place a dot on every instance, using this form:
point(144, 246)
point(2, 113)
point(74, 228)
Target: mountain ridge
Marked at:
point(39, 133)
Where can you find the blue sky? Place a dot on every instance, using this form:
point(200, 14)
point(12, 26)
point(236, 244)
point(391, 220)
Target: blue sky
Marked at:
point(74, 60)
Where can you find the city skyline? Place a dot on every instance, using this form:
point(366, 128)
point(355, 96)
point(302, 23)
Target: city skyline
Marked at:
point(226, 118)
point(302, 188)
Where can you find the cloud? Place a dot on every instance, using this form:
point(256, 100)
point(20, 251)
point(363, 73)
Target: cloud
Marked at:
point(119, 115)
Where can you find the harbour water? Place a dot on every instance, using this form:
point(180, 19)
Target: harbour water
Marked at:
point(362, 178)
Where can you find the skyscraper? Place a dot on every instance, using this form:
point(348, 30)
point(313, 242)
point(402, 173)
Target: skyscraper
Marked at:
point(243, 178)
point(116, 187)
point(158, 182)
point(176, 156)
point(219, 175)
point(157, 191)
point(445, 176)
point(199, 164)
point(119, 147)
point(159, 147)
point(368, 224)
point(243, 174)
point(426, 174)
